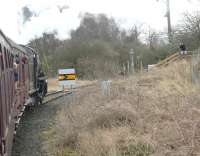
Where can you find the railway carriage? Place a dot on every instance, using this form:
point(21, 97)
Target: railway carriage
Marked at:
point(19, 70)
point(6, 90)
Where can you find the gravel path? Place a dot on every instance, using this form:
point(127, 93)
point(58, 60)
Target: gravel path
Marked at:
point(29, 141)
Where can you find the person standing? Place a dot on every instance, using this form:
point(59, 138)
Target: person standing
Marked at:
point(16, 70)
point(183, 49)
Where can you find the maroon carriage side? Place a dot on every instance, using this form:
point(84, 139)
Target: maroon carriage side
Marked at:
point(21, 84)
point(6, 94)
point(13, 90)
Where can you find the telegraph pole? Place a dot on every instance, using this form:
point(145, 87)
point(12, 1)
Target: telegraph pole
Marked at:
point(168, 15)
point(169, 21)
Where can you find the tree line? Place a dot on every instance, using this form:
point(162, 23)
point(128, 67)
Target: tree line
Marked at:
point(99, 47)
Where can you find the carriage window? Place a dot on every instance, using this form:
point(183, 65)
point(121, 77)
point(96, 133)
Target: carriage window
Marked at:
point(1, 58)
point(5, 60)
point(12, 60)
point(9, 59)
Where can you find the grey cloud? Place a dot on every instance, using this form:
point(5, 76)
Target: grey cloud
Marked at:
point(62, 8)
point(27, 13)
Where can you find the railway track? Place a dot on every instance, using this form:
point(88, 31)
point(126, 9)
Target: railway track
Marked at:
point(55, 95)
point(58, 94)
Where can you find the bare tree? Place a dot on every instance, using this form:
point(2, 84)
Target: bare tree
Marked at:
point(189, 30)
point(152, 39)
point(134, 33)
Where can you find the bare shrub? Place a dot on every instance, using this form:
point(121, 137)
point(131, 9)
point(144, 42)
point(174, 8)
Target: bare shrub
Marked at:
point(156, 113)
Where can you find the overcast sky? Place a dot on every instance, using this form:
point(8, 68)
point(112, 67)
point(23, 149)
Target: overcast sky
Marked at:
point(126, 12)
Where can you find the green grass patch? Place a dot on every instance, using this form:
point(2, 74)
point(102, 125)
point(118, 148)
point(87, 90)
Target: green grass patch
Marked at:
point(67, 151)
point(136, 150)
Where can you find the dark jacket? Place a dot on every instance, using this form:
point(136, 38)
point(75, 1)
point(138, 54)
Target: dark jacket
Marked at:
point(182, 47)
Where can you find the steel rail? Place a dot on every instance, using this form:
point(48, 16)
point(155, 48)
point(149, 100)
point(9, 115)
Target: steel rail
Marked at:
point(61, 93)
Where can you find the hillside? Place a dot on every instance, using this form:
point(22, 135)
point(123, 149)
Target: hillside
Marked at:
point(155, 113)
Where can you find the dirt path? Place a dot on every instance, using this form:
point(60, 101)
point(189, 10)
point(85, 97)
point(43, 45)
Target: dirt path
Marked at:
point(29, 140)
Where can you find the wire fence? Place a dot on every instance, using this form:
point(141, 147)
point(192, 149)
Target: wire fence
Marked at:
point(196, 66)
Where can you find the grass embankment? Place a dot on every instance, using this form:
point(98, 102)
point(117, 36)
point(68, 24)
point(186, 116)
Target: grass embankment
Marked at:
point(156, 113)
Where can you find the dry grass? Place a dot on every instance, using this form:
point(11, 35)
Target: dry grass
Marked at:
point(156, 114)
